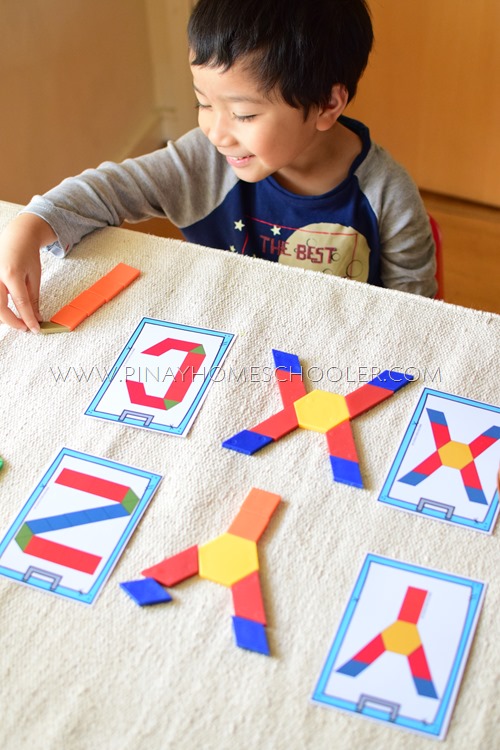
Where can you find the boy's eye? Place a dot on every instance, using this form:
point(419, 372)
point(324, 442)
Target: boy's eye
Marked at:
point(199, 105)
point(244, 118)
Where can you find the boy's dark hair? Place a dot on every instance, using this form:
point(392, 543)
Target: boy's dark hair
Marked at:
point(303, 47)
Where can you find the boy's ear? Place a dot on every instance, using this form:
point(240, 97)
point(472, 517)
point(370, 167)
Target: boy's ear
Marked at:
point(328, 116)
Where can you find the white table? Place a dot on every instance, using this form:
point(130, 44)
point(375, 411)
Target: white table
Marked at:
point(117, 676)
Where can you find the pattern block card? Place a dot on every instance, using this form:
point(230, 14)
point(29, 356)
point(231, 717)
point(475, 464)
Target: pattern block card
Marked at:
point(401, 648)
point(161, 378)
point(75, 524)
point(447, 464)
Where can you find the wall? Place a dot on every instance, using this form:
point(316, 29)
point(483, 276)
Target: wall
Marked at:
point(430, 93)
point(173, 86)
point(77, 88)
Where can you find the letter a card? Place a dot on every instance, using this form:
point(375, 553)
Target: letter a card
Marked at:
point(446, 467)
point(75, 525)
point(161, 378)
point(401, 647)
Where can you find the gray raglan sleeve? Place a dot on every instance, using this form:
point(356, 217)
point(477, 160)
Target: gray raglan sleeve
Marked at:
point(408, 260)
point(183, 182)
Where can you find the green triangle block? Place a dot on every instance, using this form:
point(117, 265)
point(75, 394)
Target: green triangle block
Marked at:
point(169, 404)
point(24, 536)
point(130, 501)
point(199, 350)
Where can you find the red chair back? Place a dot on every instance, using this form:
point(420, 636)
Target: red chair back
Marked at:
point(438, 241)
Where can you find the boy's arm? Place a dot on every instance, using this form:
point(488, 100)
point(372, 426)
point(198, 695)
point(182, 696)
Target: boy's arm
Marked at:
point(408, 254)
point(407, 250)
point(182, 182)
point(20, 271)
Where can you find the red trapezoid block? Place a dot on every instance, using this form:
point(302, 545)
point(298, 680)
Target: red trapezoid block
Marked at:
point(365, 397)
point(341, 441)
point(247, 598)
point(279, 425)
point(291, 386)
point(175, 569)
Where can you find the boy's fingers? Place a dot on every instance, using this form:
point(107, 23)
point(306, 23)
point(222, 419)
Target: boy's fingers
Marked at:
point(6, 314)
point(35, 300)
point(21, 299)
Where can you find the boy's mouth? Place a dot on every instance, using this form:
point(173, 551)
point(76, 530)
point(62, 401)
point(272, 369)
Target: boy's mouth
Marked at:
point(238, 161)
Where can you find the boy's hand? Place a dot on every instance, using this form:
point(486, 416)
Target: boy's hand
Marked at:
point(20, 270)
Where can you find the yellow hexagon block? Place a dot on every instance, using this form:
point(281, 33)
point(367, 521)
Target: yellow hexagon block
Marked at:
point(320, 411)
point(227, 559)
point(401, 637)
point(456, 455)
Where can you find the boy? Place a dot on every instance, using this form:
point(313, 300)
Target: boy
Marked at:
point(275, 169)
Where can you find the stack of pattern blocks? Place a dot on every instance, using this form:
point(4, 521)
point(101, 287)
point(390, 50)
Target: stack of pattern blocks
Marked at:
point(230, 560)
point(86, 303)
point(319, 411)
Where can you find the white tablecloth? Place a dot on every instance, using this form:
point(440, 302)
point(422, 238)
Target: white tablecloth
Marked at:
point(117, 676)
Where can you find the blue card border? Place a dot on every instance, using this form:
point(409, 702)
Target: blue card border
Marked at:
point(385, 497)
point(226, 339)
point(153, 479)
point(476, 594)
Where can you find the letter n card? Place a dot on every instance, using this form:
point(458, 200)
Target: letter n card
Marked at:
point(400, 651)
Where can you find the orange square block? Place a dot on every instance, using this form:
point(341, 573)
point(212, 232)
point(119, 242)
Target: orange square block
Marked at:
point(88, 301)
point(105, 288)
point(249, 526)
point(260, 503)
point(122, 275)
point(114, 281)
point(69, 316)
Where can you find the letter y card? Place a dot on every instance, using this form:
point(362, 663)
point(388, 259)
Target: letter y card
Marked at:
point(402, 644)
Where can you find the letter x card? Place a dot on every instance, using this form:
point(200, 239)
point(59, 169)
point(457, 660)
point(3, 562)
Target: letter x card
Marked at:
point(446, 466)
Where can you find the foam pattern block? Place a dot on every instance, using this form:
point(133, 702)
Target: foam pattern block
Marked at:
point(247, 442)
point(146, 591)
point(250, 635)
point(175, 569)
point(90, 300)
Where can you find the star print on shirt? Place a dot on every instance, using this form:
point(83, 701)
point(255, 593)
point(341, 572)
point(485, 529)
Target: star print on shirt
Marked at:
point(276, 230)
point(239, 225)
point(232, 249)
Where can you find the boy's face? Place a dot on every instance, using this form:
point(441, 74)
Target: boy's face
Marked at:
point(258, 135)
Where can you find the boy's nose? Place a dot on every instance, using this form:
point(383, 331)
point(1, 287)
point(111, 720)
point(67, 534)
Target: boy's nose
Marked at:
point(219, 132)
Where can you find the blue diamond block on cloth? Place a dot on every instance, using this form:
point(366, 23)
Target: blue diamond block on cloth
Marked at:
point(247, 442)
point(146, 591)
point(250, 635)
point(287, 362)
point(346, 472)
